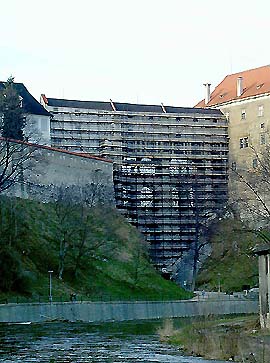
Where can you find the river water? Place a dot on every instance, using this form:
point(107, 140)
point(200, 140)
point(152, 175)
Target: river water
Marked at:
point(84, 343)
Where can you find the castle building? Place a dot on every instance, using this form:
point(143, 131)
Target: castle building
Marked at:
point(244, 98)
point(170, 164)
point(35, 170)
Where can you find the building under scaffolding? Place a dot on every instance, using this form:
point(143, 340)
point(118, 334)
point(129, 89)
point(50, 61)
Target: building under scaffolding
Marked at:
point(170, 164)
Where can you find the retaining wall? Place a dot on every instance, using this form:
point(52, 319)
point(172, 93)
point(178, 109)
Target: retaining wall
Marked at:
point(121, 311)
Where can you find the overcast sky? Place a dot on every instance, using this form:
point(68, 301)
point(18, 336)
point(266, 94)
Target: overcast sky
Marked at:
point(149, 51)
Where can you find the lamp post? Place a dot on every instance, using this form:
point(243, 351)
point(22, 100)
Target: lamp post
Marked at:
point(219, 287)
point(50, 286)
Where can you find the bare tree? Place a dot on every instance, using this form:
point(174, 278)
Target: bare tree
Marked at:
point(66, 226)
point(186, 268)
point(251, 193)
point(139, 259)
point(15, 158)
point(15, 153)
point(86, 245)
point(75, 228)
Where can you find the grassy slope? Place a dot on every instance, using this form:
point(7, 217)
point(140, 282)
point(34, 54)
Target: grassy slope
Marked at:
point(231, 257)
point(118, 268)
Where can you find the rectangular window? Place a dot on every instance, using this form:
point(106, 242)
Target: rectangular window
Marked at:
point(262, 139)
point(233, 165)
point(241, 144)
point(260, 111)
point(243, 114)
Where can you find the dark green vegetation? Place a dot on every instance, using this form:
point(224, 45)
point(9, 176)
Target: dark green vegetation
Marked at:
point(93, 252)
point(230, 338)
point(231, 261)
point(13, 155)
point(13, 120)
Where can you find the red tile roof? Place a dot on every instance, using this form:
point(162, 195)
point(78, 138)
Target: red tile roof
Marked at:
point(82, 155)
point(255, 82)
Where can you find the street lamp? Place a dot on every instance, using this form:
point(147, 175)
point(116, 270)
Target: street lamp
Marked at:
point(50, 286)
point(219, 287)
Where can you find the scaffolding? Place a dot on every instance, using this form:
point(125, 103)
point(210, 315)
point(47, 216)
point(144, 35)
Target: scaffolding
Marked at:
point(170, 169)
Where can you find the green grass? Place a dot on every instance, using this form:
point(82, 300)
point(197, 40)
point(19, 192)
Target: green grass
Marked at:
point(231, 257)
point(114, 264)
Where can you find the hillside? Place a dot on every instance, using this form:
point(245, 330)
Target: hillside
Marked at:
point(96, 253)
point(231, 260)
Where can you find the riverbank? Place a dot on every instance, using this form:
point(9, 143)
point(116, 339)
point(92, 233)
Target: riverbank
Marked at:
point(238, 339)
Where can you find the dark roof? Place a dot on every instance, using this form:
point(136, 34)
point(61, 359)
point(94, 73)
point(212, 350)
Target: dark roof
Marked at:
point(30, 104)
point(262, 249)
point(57, 102)
point(128, 107)
point(207, 111)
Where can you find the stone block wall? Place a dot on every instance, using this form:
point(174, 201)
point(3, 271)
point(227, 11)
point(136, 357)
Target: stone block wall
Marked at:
point(50, 171)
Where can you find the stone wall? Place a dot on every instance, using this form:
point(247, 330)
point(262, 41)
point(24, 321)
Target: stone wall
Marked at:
point(121, 311)
point(50, 171)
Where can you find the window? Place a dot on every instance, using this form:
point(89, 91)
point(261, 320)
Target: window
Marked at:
point(255, 163)
point(262, 126)
point(262, 139)
point(243, 142)
point(234, 165)
point(243, 115)
point(260, 111)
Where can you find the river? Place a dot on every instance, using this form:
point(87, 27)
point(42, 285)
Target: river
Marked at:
point(84, 343)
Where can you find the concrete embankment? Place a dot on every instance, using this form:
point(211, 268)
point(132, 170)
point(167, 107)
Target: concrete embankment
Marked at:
point(121, 311)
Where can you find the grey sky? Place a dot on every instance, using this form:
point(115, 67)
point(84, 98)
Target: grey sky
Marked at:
point(149, 51)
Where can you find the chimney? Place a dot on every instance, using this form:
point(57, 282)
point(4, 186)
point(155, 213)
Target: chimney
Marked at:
point(207, 92)
point(239, 86)
point(43, 99)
